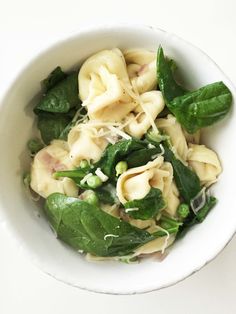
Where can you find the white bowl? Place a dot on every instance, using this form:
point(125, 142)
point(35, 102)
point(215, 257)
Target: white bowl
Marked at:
point(33, 233)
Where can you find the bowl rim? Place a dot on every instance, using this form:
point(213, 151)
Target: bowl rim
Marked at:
point(53, 44)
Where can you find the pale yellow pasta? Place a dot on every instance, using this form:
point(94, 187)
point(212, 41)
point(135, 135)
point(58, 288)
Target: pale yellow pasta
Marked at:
point(141, 66)
point(172, 200)
point(139, 121)
point(205, 163)
point(85, 144)
point(103, 83)
point(193, 138)
point(172, 128)
point(54, 157)
point(159, 244)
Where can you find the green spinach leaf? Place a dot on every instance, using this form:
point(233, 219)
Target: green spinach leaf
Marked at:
point(193, 219)
point(142, 156)
point(148, 207)
point(62, 97)
point(186, 180)
point(203, 107)
point(88, 228)
point(54, 77)
point(107, 194)
point(168, 86)
point(117, 152)
point(51, 126)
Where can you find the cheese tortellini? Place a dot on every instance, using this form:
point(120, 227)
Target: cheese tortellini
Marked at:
point(136, 183)
point(204, 162)
point(54, 157)
point(103, 84)
point(140, 121)
point(171, 127)
point(84, 143)
point(141, 66)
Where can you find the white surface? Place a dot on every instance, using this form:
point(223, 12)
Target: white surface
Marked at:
point(25, 25)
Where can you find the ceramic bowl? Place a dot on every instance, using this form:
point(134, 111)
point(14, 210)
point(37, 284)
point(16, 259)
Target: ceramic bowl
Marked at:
point(25, 220)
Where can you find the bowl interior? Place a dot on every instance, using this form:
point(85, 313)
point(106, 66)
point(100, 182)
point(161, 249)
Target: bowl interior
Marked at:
point(26, 220)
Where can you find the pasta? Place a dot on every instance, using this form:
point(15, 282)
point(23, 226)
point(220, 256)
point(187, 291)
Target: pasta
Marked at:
point(128, 177)
point(205, 163)
point(84, 143)
point(172, 128)
point(101, 81)
point(141, 67)
point(139, 121)
point(52, 158)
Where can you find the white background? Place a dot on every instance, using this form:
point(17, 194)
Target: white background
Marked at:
point(28, 26)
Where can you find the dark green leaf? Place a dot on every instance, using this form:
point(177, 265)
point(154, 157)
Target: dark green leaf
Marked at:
point(54, 77)
point(203, 107)
point(186, 180)
point(107, 194)
point(51, 125)
point(34, 145)
point(117, 152)
point(168, 86)
point(88, 228)
point(193, 219)
point(77, 175)
point(148, 207)
point(142, 156)
point(62, 97)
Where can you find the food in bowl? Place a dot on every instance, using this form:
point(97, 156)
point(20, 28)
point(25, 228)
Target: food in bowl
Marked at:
point(120, 160)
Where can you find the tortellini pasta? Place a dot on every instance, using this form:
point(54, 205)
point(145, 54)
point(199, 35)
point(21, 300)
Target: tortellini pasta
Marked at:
point(140, 121)
point(84, 143)
point(54, 157)
point(141, 66)
point(159, 244)
point(204, 162)
point(172, 128)
point(136, 183)
point(103, 84)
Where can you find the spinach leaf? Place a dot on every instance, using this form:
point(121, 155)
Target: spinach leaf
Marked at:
point(193, 219)
point(51, 126)
point(186, 180)
point(202, 107)
point(62, 97)
point(142, 156)
point(88, 228)
point(54, 77)
point(148, 207)
point(34, 145)
point(107, 194)
point(197, 109)
point(168, 86)
point(117, 152)
point(77, 175)
point(171, 225)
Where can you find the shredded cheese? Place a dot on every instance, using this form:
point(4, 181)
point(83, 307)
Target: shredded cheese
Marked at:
point(101, 175)
point(131, 209)
point(120, 133)
point(110, 236)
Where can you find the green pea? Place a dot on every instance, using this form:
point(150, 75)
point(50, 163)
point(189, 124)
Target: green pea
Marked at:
point(84, 164)
point(94, 182)
point(91, 198)
point(121, 167)
point(183, 210)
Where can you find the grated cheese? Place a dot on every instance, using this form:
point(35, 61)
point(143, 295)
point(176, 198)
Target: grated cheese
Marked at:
point(101, 175)
point(131, 209)
point(120, 133)
point(110, 236)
